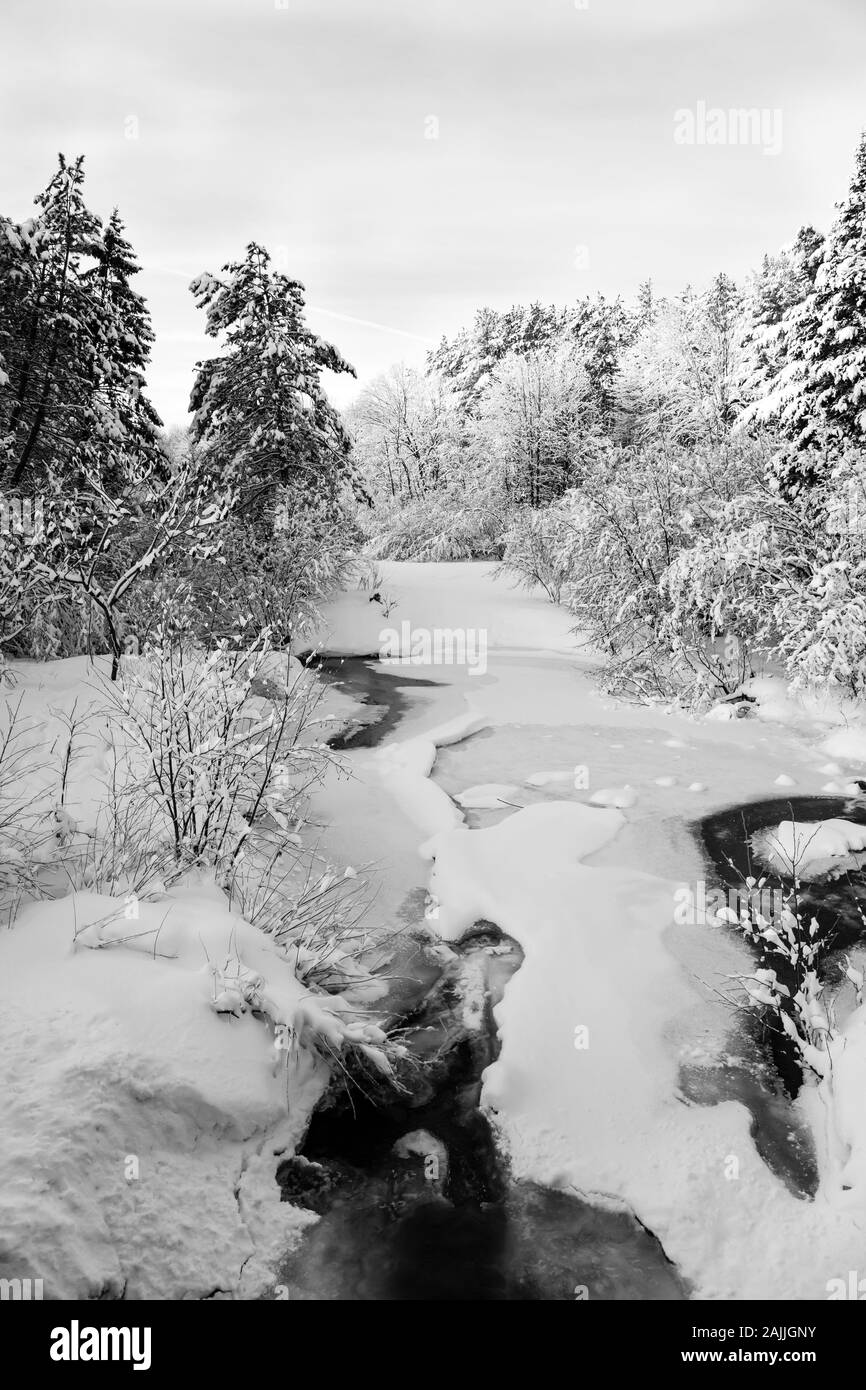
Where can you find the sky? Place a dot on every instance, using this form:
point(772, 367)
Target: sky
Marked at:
point(412, 160)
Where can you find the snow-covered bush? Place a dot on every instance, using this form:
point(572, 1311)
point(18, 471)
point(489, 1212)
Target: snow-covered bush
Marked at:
point(19, 753)
point(819, 617)
point(687, 568)
point(679, 380)
point(223, 743)
point(272, 573)
point(614, 540)
point(717, 594)
point(786, 987)
point(65, 585)
point(316, 913)
point(824, 639)
point(407, 435)
point(537, 550)
point(454, 525)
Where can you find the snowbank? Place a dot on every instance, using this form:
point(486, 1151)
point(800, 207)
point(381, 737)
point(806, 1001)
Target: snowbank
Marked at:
point(139, 1125)
point(810, 846)
point(406, 767)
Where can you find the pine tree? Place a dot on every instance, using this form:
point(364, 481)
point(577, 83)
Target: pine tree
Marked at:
point(811, 378)
point(47, 327)
point(121, 412)
point(261, 413)
point(74, 340)
point(836, 359)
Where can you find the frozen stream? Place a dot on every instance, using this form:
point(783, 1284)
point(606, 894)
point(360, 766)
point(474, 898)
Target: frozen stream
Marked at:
point(671, 1159)
point(444, 1222)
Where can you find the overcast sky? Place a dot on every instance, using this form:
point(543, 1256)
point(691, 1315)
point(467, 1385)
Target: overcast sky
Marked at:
point(306, 125)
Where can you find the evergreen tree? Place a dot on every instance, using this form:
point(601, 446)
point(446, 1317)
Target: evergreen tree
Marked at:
point(836, 357)
point(121, 350)
point(809, 339)
point(46, 321)
point(779, 321)
point(261, 413)
point(74, 340)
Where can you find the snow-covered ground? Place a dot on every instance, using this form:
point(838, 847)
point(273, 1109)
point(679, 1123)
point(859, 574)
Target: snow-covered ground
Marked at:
point(140, 1127)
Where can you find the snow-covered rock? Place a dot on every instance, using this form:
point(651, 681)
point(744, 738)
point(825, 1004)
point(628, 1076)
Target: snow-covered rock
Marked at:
point(618, 797)
point(810, 845)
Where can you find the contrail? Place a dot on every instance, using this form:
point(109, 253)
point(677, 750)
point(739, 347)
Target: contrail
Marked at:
point(368, 323)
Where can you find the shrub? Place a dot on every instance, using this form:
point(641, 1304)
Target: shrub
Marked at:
point(537, 550)
point(227, 772)
point(452, 525)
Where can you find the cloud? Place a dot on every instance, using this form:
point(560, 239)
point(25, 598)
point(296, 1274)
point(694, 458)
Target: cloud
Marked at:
point(305, 128)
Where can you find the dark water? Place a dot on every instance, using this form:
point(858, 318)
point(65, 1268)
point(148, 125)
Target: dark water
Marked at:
point(397, 1228)
point(385, 694)
point(835, 902)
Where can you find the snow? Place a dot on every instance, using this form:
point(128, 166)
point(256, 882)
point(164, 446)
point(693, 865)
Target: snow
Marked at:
point(848, 744)
point(406, 768)
point(122, 1067)
point(491, 796)
point(462, 596)
point(622, 797)
point(422, 1144)
point(584, 1093)
point(547, 779)
point(809, 844)
point(720, 713)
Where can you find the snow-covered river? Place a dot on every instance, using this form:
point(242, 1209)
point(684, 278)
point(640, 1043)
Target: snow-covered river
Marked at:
point(631, 1138)
point(415, 1196)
